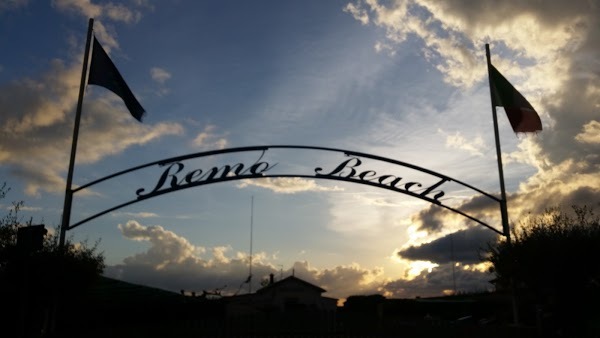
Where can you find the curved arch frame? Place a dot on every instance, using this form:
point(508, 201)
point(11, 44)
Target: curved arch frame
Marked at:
point(256, 171)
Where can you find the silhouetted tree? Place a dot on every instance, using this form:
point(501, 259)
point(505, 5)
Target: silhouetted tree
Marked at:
point(31, 280)
point(553, 263)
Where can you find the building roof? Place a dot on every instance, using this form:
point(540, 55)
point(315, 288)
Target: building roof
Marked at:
point(287, 280)
point(107, 289)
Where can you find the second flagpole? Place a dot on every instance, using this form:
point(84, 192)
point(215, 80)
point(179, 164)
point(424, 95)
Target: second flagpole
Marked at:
point(503, 204)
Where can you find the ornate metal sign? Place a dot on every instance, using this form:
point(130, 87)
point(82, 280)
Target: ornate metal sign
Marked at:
point(178, 173)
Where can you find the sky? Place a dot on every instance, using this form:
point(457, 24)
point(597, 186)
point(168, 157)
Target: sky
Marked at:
point(404, 80)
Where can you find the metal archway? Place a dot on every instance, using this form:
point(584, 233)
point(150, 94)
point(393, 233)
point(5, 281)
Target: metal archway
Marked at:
point(175, 176)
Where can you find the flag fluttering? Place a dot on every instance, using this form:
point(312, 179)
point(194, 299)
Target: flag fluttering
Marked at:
point(523, 118)
point(103, 72)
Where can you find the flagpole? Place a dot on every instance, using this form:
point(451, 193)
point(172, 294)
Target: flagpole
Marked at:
point(66, 216)
point(503, 204)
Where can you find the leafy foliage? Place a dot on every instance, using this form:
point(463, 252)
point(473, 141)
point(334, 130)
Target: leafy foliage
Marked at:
point(32, 280)
point(551, 251)
point(80, 261)
point(552, 262)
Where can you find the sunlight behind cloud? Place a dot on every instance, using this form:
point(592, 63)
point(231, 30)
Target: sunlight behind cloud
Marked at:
point(403, 79)
point(287, 185)
point(415, 268)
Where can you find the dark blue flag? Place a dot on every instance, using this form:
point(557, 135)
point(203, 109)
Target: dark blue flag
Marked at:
point(104, 73)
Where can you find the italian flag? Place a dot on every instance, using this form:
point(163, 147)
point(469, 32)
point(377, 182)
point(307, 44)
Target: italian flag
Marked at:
point(523, 118)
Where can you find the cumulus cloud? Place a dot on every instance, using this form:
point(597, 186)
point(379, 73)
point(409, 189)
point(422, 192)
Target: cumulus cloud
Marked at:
point(36, 113)
point(166, 246)
point(558, 40)
point(36, 122)
point(342, 281)
point(590, 133)
point(551, 53)
point(209, 139)
point(173, 263)
point(287, 185)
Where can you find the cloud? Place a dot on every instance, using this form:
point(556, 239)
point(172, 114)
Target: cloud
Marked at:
point(287, 185)
point(103, 14)
point(461, 246)
point(369, 215)
point(358, 13)
point(475, 147)
point(167, 247)
point(554, 48)
point(159, 75)
point(569, 183)
point(208, 139)
point(36, 124)
point(82, 7)
point(120, 12)
point(590, 133)
point(136, 214)
point(173, 263)
point(27, 208)
point(381, 47)
point(440, 280)
point(341, 281)
point(453, 32)
point(21, 208)
point(550, 53)
point(111, 129)
point(35, 113)
point(115, 12)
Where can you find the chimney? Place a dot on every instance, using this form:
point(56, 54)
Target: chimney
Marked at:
point(271, 279)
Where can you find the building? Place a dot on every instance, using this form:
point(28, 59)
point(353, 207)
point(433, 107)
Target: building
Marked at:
point(288, 305)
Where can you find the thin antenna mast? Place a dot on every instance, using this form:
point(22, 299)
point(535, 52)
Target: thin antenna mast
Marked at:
point(453, 262)
point(251, 230)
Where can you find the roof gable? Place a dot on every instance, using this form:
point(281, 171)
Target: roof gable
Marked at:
point(291, 280)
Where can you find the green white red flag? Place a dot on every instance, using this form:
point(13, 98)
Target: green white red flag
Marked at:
point(523, 118)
